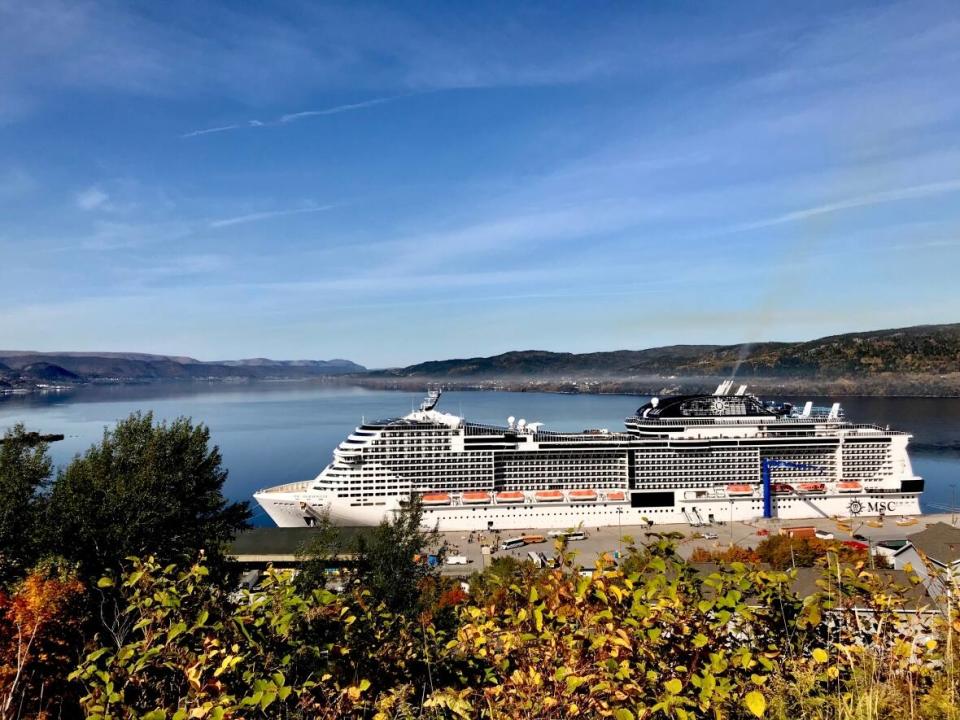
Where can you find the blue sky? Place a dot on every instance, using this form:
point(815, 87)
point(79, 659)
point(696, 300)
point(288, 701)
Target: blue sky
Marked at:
point(408, 181)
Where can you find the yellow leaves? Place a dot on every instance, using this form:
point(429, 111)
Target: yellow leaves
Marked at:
point(820, 655)
point(673, 686)
point(355, 691)
point(756, 703)
point(931, 644)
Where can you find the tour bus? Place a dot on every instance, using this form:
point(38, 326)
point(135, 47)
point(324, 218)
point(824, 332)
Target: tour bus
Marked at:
point(512, 544)
point(568, 534)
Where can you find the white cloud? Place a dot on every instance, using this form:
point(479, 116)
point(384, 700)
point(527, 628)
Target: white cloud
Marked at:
point(265, 215)
point(93, 198)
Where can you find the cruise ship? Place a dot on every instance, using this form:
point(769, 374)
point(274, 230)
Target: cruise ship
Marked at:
point(682, 459)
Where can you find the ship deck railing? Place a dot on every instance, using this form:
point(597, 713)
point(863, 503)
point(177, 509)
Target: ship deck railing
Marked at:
point(758, 421)
point(288, 487)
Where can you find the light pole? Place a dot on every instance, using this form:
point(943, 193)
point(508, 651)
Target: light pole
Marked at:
point(953, 503)
point(619, 533)
point(731, 523)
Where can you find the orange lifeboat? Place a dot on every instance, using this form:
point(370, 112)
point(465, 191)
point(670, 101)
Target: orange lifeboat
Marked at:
point(548, 496)
point(475, 498)
point(576, 495)
point(781, 489)
point(811, 488)
point(436, 499)
point(739, 490)
point(849, 486)
point(510, 497)
point(616, 496)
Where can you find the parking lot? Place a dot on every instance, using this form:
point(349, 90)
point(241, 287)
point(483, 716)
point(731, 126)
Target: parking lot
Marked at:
point(614, 540)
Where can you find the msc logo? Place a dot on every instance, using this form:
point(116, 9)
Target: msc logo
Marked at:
point(855, 507)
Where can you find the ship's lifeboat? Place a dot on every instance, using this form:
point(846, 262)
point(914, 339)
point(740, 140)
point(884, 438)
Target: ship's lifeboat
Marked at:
point(510, 497)
point(548, 496)
point(848, 486)
point(781, 489)
point(475, 498)
point(581, 495)
point(811, 488)
point(739, 490)
point(616, 496)
point(906, 521)
point(432, 499)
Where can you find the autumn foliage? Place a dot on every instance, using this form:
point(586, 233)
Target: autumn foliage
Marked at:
point(41, 639)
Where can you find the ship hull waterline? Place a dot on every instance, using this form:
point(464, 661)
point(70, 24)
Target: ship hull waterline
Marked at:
point(293, 509)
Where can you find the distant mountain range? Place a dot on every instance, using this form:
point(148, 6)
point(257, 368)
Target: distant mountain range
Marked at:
point(919, 360)
point(25, 368)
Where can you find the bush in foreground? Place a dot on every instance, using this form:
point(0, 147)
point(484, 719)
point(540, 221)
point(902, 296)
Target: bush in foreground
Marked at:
point(662, 641)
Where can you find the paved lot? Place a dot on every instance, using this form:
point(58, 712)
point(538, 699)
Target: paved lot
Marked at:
point(612, 539)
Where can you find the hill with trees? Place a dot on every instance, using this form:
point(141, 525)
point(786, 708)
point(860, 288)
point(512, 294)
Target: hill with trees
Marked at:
point(919, 360)
point(24, 369)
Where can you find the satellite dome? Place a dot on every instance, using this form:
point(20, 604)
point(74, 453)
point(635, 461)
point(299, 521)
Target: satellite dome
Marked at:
point(654, 401)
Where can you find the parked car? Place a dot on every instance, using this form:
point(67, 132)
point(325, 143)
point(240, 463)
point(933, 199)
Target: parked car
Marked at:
point(711, 536)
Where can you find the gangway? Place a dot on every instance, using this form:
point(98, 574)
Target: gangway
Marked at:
point(690, 521)
point(765, 465)
point(699, 517)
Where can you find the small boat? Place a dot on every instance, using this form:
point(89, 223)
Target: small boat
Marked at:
point(739, 490)
point(906, 521)
point(811, 488)
point(548, 496)
point(475, 498)
point(849, 486)
point(576, 495)
point(436, 499)
point(510, 497)
point(616, 496)
point(781, 489)
point(875, 523)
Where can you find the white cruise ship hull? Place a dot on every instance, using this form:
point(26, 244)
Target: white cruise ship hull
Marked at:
point(688, 459)
point(299, 508)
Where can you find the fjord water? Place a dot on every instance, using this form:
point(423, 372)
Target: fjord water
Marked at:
point(276, 433)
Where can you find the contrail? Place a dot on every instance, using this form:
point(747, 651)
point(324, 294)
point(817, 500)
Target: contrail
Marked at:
point(294, 117)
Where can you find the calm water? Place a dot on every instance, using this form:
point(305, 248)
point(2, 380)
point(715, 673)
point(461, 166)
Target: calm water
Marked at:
point(272, 434)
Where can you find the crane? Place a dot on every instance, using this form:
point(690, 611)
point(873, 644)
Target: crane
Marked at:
point(765, 465)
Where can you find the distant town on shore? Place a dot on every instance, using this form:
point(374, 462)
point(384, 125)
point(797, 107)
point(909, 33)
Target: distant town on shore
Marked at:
point(922, 360)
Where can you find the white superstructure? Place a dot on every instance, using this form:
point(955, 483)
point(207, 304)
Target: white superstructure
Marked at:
point(692, 458)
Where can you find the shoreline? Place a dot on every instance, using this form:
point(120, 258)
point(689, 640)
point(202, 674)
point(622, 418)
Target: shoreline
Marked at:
point(606, 387)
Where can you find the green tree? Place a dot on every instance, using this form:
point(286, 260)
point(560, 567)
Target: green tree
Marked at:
point(392, 560)
point(317, 554)
point(146, 489)
point(25, 469)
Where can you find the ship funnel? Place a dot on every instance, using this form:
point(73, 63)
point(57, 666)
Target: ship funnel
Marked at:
point(834, 412)
point(719, 390)
point(742, 390)
point(807, 409)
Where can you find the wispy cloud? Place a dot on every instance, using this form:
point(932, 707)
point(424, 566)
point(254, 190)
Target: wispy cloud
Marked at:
point(294, 117)
point(879, 198)
point(15, 183)
point(93, 198)
point(265, 215)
